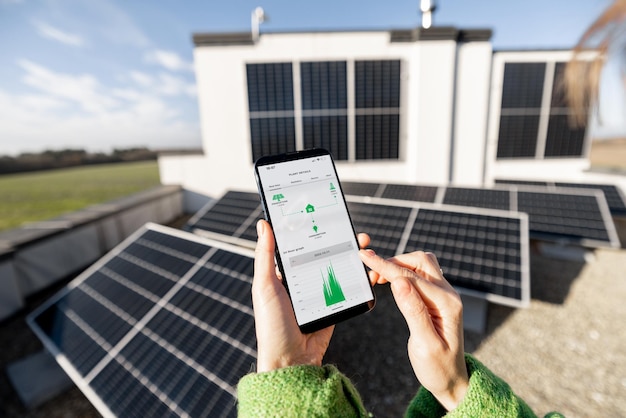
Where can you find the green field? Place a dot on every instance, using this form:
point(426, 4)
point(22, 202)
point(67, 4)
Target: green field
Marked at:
point(42, 195)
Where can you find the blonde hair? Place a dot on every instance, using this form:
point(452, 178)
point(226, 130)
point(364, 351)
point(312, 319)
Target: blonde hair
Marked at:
point(582, 78)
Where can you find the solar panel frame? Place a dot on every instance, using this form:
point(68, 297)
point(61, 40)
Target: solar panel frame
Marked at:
point(113, 355)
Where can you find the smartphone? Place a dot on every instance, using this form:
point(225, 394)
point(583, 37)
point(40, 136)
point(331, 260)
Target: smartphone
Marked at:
point(316, 246)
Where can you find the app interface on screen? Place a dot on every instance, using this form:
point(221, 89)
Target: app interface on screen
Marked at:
point(317, 246)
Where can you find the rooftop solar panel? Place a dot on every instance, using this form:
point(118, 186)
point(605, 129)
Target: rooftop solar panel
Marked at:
point(482, 198)
point(410, 192)
point(580, 217)
point(614, 196)
point(575, 218)
point(484, 252)
point(360, 189)
point(394, 225)
point(232, 218)
point(522, 182)
point(480, 253)
point(161, 326)
point(385, 225)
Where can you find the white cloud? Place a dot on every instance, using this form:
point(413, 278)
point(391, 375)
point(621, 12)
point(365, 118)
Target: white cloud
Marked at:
point(143, 79)
point(40, 103)
point(114, 23)
point(84, 89)
point(142, 123)
point(174, 86)
point(101, 19)
point(168, 59)
point(78, 111)
point(163, 84)
point(50, 32)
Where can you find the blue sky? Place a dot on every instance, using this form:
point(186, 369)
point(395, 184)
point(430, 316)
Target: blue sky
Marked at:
point(99, 74)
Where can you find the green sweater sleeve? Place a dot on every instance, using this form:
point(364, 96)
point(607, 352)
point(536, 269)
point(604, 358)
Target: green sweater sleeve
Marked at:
point(487, 396)
point(299, 391)
point(323, 391)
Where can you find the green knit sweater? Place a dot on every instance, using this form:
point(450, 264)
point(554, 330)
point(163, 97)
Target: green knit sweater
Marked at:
point(310, 391)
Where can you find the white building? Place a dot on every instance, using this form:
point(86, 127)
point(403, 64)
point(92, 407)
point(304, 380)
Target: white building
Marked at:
point(432, 106)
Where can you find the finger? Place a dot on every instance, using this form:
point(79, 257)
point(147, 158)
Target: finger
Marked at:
point(376, 278)
point(279, 275)
point(386, 269)
point(424, 264)
point(364, 240)
point(414, 310)
point(430, 290)
point(264, 268)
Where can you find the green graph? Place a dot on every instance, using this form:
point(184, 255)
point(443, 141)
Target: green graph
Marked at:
point(332, 290)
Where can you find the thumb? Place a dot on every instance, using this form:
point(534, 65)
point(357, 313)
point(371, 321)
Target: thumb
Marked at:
point(264, 268)
point(413, 308)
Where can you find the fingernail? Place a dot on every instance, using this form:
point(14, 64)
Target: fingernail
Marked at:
point(260, 228)
point(368, 252)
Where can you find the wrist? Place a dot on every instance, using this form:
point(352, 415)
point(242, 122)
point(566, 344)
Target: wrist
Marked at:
point(452, 397)
point(279, 363)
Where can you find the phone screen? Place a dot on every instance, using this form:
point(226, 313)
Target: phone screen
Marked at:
point(317, 248)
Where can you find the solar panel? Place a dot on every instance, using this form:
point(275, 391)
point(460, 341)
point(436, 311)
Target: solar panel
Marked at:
point(482, 198)
point(580, 217)
point(480, 253)
point(161, 326)
point(522, 182)
point(385, 224)
point(232, 218)
point(360, 189)
point(410, 192)
point(614, 197)
point(484, 252)
point(573, 216)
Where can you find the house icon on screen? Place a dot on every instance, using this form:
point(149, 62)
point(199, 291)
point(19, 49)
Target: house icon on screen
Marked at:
point(310, 208)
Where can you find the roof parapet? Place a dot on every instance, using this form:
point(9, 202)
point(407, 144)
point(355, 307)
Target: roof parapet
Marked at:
point(443, 33)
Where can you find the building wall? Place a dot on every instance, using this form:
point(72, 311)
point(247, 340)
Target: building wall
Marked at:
point(471, 111)
point(430, 78)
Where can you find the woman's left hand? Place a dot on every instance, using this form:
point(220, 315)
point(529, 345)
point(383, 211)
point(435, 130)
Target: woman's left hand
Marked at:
point(280, 343)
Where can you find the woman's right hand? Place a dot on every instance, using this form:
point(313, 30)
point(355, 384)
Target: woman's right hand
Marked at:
point(434, 314)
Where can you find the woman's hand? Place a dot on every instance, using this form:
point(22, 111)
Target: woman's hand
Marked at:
point(279, 340)
point(434, 314)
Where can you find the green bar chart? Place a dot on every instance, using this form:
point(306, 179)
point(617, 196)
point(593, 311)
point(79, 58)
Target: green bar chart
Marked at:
point(332, 289)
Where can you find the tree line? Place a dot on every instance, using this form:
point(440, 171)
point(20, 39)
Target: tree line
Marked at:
point(52, 159)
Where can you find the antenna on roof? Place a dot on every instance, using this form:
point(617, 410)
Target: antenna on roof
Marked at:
point(258, 16)
point(427, 7)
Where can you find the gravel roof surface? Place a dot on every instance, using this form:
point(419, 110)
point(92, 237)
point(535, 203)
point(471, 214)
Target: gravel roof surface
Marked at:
point(566, 352)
